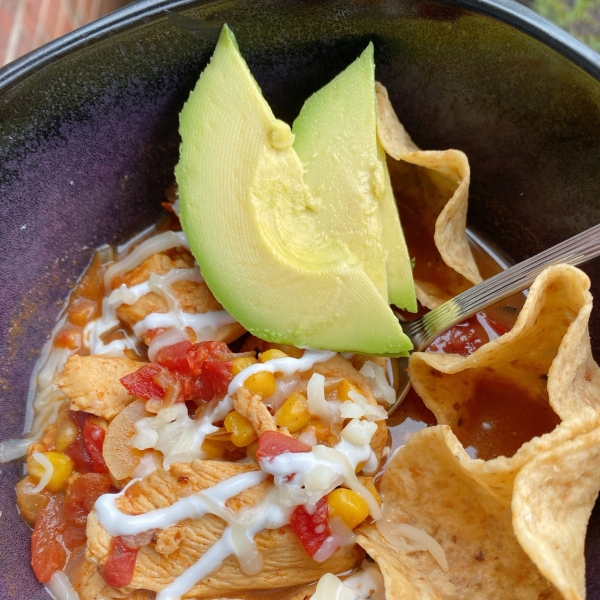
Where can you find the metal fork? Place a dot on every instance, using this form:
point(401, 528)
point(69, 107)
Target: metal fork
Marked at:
point(574, 251)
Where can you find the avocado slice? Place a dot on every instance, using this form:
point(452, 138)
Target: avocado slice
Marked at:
point(335, 136)
point(250, 220)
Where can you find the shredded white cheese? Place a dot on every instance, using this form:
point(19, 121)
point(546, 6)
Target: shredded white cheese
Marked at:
point(173, 433)
point(47, 474)
point(328, 412)
point(378, 382)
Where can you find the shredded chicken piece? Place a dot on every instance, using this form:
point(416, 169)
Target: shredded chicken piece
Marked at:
point(192, 297)
point(92, 384)
point(159, 263)
point(252, 407)
point(157, 565)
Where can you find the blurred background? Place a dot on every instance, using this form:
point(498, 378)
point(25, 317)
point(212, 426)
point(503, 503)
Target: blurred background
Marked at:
point(27, 24)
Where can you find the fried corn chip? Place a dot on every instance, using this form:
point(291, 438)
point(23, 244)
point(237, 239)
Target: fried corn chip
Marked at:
point(285, 563)
point(426, 486)
point(546, 354)
point(434, 185)
point(554, 495)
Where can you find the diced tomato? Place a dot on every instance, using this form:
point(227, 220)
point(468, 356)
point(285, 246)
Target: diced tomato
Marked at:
point(175, 357)
point(205, 352)
point(215, 379)
point(47, 548)
point(86, 489)
point(84, 492)
point(93, 436)
point(273, 443)
point(468, 336)
point(203, 372)
point(78, 451)
point(312, 530)
point(141, 382)
point(118, 570)
point(60, 527)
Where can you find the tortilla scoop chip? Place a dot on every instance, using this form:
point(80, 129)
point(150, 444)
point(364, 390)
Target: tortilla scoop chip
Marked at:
point(547, 354)
point(425, 485)
point(435, 185)
point(554, 495)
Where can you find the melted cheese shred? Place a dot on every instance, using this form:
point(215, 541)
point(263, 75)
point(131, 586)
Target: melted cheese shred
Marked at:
point(47, 474)
point(180, 438)
point(295, 483)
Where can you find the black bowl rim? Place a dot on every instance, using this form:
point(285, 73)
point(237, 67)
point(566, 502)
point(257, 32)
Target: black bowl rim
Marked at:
point(143, 12)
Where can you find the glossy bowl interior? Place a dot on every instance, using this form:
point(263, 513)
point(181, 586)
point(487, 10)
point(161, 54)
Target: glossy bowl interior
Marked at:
point(88, 142)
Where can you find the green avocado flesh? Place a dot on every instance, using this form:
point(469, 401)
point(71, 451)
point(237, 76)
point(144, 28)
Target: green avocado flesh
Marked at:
point(335, 136)
point(250, 219)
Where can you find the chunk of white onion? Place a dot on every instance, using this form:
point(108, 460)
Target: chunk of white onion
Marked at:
point(60, 587)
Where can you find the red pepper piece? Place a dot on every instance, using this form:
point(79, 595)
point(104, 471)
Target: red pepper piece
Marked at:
point(120, 564)
point(312, 530)
point(273, 443)
point(93, 436)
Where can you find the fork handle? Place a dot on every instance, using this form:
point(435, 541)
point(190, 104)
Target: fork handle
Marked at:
point(574, 251)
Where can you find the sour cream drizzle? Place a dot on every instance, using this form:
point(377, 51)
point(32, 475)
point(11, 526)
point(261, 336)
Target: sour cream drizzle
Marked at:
point(175, 321)
point(299, 478)
point(287, 366)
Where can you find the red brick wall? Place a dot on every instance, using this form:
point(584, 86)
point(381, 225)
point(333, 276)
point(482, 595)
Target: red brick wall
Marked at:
point(28, 24)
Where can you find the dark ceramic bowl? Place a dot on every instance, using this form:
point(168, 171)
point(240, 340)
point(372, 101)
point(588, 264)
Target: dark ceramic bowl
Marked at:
point(88, 142)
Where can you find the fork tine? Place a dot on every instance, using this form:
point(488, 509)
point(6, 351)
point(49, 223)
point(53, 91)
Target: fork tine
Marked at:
point(574, 251)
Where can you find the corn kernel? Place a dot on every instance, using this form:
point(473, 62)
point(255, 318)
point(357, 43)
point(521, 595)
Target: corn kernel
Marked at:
point(368, 483)
point(242, 432)
point(241, 363)
point(348, 505)
point(271, 354)
point(261, 383)
point(293, 413)
point(63, 467)
point(66, 434)
point(213, 449)
point(344, 387)
point(360, 466)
